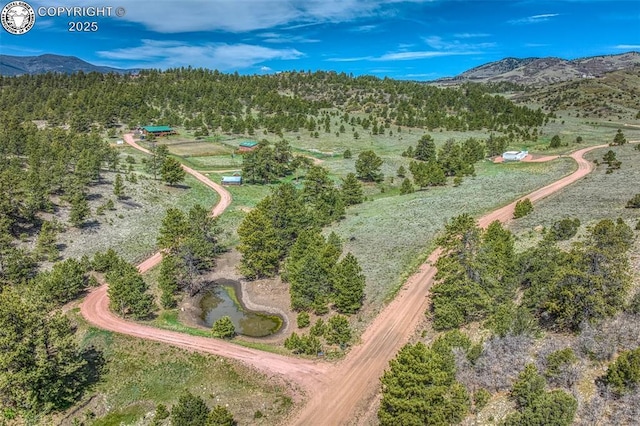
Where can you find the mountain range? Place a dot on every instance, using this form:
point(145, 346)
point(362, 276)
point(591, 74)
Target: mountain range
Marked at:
point(18, 65)
point(525, 71)
point(541, 71)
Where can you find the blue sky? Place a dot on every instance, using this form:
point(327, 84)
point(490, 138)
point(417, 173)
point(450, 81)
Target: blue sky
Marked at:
point(412, 39)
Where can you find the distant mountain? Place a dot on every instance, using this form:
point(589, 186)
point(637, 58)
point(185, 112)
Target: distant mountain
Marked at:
point(18, 65)
point(540, 71)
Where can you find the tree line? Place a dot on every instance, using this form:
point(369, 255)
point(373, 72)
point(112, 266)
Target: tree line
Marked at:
point(210, 101)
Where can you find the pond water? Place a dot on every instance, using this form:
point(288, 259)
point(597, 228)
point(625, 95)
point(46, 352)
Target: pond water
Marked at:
point(224, 299)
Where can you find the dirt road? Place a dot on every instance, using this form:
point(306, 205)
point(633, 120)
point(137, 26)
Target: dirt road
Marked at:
point(354, 382)
point(221, 206)
point(338, 393)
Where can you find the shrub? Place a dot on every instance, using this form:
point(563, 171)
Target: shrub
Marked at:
point(634, 203)
point(555, 142)
point(303, 320)
point(554, 408)
point(529, 386)
point(480, 399)
point(560, 367)
point(565, 228)
point(523, 208)
point(347, 154)
point(624, 373)
point(223, 328)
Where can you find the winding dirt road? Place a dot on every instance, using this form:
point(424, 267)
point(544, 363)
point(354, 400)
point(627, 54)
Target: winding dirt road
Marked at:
point(338, 393)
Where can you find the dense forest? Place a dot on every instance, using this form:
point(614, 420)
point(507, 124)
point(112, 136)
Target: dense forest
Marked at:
point(216, 102)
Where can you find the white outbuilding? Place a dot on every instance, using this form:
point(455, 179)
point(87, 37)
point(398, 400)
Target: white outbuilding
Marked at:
point(514, 155)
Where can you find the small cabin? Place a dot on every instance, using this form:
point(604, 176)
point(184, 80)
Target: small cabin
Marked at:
point(232, 180)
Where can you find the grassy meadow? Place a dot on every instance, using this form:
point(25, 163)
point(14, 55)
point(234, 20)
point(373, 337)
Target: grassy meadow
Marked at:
point(142, 374)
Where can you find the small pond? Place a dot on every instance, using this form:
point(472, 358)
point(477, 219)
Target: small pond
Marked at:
point(223, 298)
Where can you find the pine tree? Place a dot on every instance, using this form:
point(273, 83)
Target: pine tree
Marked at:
point(79, 209)
point(619, 138)
point(259, 245)
point(127, 291)
point(118, 187)
point(348, 283)
point(46, 247)
point(172, 171)
point(406, 187)
point(402, 172)
point(173, 231)
point(189, 411)
point(368, 166)
point(223, 328)
point(425, 149)
point(168, 281)
point(220, 416)
point(41, 366)
point(338, 330)
point(555, 142)
point(352, 190)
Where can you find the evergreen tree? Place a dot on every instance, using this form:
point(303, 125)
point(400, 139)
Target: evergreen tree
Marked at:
point(127, 291)
point(555, 142)
point(220, 416)
point(46, 247)
point(338, 330)
point(624, 373)
point(259, 245)
point(189, 411)
point(522, 208)
point(63, 283)
point(402, 172)
point(406, 187)
point(41, 366)
point(223, 328)
point(347, 152)
point(79, 209)
point(352, 190)
point(619, 138)
point(168, 281)
point(173, 231)
point(420, 389)
point(529, 386)
point(159, 154)
point(348, 283)
point(425, 149)
point(368, 167)
point(118, 187)
point(172, 171)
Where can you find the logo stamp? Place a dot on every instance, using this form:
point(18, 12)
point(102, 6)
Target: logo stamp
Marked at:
point(18, 17)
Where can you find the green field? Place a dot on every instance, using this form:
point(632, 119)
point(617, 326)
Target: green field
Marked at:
point(390, 235)
point(597, 196)
point(132, 227)
point(141, 374)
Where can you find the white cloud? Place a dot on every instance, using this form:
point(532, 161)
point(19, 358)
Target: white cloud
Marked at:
point(221, 56)
point(534, 19)
point(265, 69)
point(277, 38)
point(471, 35)
point(437, 42)
point(237, 16)
point(627, 46)
point(407, 56)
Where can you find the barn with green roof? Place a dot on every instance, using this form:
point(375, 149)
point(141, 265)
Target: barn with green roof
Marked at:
point(158, 130)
